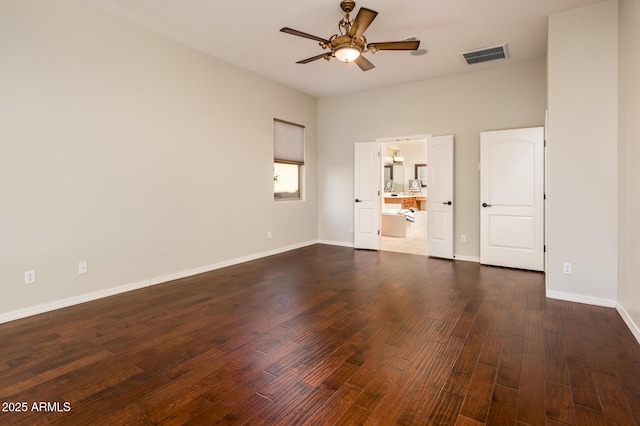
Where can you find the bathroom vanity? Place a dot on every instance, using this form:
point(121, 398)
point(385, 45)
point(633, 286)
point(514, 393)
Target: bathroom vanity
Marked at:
point(407, 201)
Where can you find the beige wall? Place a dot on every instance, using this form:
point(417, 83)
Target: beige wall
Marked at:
point(129, 151)
point(143, 157)
point(464, 105)
point(582, 187)
point(629, 163)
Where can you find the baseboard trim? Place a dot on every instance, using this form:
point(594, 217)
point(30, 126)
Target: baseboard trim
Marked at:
point(578, 298)
point(83, 298)
point(343, 244)
point(226, 263)
point(336, 243)
point(65, 303)
point(467, 258)
point(635, 330)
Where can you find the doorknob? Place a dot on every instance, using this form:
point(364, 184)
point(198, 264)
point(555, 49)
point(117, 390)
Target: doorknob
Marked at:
point(358, 201)
point(448, 203)
point(486, 205)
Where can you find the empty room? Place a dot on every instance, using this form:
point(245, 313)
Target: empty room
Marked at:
point(197, 199)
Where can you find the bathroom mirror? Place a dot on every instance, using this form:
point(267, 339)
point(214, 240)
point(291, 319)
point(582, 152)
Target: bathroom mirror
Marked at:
point(398, 178)
point(388, 172)
point(421, 174)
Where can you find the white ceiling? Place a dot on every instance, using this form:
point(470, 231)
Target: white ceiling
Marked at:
point(246, 33)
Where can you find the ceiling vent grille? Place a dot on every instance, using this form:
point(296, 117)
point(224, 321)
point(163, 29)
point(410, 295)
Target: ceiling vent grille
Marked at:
point(486, 54)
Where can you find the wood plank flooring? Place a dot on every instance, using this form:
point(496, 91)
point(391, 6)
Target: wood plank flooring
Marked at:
point(326, 335)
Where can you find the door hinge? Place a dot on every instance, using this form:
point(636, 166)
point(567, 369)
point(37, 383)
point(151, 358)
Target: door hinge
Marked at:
point(544, 195)
point(378, 193)
point(545, 249)
point(544, 144)
point(378, 232)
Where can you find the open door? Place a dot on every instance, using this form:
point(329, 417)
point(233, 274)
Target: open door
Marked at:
point(440, 206)
point(512, 198)
point(366, 205)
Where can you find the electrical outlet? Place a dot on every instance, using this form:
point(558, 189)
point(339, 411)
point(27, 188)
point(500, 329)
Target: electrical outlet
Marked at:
point(29, 277)
point(83, 267)
point(269, 234)
point(463, 238)
point(566, 268)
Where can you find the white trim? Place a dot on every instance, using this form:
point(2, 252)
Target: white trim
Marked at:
point(343, 244)
point(627, 319)
point(578, 298)
point(404, 138)
point(336, 243)
point(76, 300)
point(224, 264)
point(466, 258)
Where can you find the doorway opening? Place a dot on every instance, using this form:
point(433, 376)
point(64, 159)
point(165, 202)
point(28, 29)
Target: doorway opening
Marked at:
point(403, 220)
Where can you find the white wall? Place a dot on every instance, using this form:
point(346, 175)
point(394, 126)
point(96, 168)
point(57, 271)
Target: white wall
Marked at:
point(582, 195)
point(629, 163)
point(141, 156)
point(510, 96)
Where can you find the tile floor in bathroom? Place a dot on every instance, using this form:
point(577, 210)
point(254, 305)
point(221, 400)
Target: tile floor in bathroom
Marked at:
point(413, 244)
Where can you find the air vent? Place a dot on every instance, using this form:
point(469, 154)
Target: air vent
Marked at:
point(486, 54)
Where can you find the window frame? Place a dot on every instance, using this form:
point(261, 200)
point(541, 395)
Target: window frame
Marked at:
point(288, 143)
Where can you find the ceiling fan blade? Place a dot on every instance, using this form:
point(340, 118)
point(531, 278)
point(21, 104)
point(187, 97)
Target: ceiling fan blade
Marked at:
point(314, 58)
point(364, 18)
point(301, 34)
point(395, 45)
point(364, 63)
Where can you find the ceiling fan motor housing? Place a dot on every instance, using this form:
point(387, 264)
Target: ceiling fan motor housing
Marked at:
point(345, 40)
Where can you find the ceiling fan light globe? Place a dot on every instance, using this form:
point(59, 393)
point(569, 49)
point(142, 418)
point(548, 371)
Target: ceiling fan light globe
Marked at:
point(347, 53)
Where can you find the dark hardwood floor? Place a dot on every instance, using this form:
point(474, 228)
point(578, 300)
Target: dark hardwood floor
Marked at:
point(326, 335)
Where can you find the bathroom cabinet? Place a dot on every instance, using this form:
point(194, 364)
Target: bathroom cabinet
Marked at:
point(406, 202)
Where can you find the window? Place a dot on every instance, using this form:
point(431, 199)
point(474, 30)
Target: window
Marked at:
point(288, 160)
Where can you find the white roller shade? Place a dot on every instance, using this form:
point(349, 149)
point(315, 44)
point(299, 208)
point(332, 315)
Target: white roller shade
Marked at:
point(288, 142)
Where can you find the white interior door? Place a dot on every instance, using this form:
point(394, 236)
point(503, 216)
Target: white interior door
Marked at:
point(440, 206)
point(366, 205)
point(512, 198)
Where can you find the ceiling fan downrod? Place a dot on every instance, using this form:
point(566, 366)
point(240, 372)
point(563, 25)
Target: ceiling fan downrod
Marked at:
point(344, 26)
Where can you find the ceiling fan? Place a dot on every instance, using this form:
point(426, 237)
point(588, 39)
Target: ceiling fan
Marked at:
point(350, 43)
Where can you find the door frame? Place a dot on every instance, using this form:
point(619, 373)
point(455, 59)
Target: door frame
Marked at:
point(545, 187)
point(380, 142)
point(411, 138)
